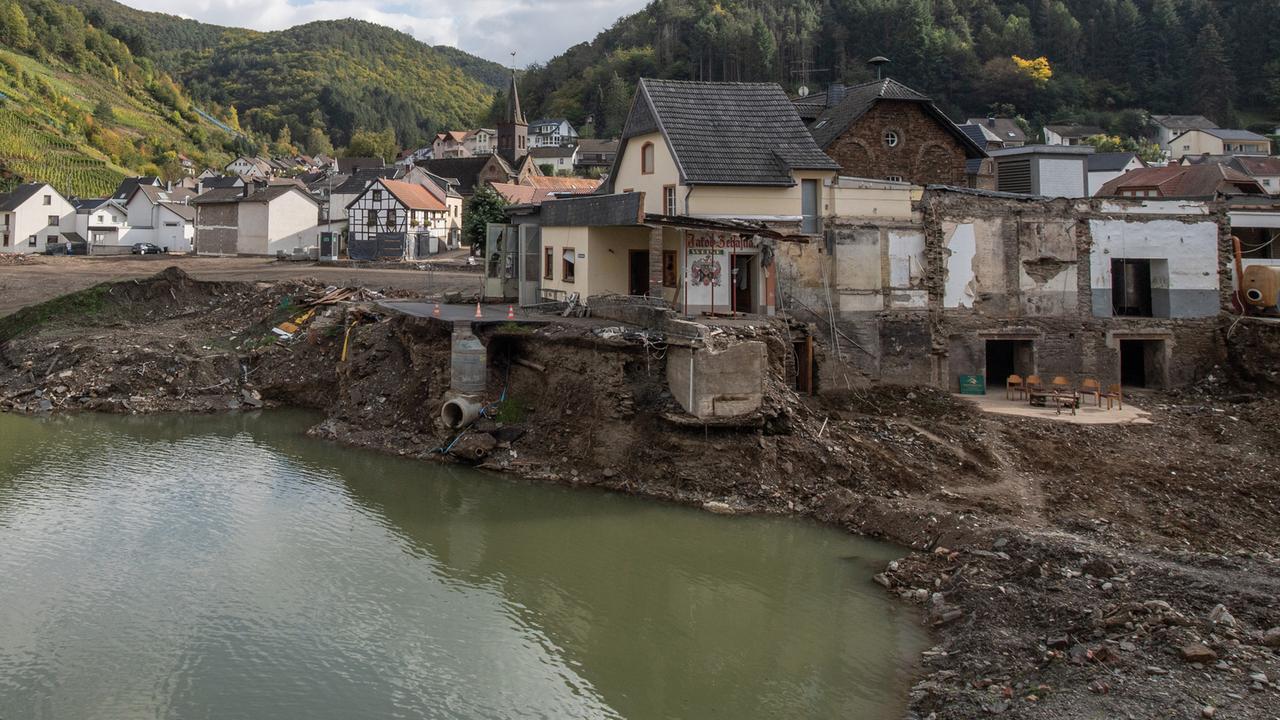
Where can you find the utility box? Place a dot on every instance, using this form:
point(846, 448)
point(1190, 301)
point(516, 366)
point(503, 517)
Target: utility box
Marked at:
point(973, 385)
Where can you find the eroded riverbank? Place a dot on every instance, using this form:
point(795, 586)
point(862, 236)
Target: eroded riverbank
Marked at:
point(1064, 570)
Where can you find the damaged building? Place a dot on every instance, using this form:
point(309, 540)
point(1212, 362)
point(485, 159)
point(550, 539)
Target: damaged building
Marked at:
point(990, 284)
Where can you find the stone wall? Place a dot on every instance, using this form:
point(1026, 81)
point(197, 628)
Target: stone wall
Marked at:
point(926, 153)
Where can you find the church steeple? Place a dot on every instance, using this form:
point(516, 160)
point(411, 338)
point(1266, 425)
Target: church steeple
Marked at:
point(513, 131)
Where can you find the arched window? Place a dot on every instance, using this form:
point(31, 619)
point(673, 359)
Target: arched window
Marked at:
point(891, 138)
point(646, 159)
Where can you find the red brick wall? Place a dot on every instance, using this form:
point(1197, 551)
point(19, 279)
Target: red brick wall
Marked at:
point(926, 153)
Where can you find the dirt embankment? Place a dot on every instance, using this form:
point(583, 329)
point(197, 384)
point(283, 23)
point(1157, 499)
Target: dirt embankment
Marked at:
point(1068, 571)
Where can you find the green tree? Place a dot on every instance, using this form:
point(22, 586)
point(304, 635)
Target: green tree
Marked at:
point(366, 143)
point(1213, 83)
point(14, 29)
point(617, 103)
point(103, 112)
point(485, 206)
point(284, 142)
point(318, 143)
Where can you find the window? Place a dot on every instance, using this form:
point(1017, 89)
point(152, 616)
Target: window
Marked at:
point(628, 190)
point(6, 239)
point(566, 264)
point(391, 218)
point(890, 138)
point(100, 219)
point(548, 262)
point(371, 218)
point(1186, 147)
point(668, 268)
point(809, 207)
point(31, 241)
point(48, 199)
point(646, 159)
point(894, 178)
point(53, 221)
point(377, 196)
point(669, 200)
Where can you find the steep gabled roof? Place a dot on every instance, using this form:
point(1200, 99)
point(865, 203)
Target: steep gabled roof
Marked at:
point(553, 152)
point(725, 133)
point(125, 190)
point(19, 195)
point(464, 170)
point(186, 212)
point(349, 165)
point(1184, 181)
point(832, 122)
point(1075, 131)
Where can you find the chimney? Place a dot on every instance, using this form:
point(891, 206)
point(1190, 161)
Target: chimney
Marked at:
point(991, 120)
point(835, 94)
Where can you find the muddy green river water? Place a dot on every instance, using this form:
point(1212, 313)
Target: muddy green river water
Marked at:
point(230, 567)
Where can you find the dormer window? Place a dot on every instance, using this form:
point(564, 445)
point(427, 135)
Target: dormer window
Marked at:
point(646, 159)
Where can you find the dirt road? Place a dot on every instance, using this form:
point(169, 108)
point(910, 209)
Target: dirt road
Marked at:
point(44, 278)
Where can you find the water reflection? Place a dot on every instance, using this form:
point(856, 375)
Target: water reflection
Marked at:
point(228, 566)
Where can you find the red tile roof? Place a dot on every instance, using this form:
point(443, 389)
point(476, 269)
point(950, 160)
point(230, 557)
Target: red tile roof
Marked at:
point(1184, 181)
point(413, 197)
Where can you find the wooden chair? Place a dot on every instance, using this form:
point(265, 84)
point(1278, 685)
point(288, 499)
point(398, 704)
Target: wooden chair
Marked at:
point(1113, 393)
point(1034, 384)
point(1090, 386)
point(1060, 384)
point(1014, 386)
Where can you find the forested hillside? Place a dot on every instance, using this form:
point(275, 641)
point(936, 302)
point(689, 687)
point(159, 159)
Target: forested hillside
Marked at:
point(1217, 57)
point(80, 111)
point(338, 76)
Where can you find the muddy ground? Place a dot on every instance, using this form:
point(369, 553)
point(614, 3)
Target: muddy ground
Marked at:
point(1067, 571)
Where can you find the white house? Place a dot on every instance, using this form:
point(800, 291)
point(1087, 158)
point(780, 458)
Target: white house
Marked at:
point(255, 220)
point(250, 167)
point(1105, 167)
point(451, 144)
point(395, 220)
point(481, 141)
point(32, 216)
point(161, 217)
point(560, 158)
point(552, 132)
point(1070, 134)
point(102, 222)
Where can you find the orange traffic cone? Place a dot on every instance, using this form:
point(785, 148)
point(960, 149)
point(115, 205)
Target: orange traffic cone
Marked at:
point(436, 311)
point(511, 312)
point(478, 313)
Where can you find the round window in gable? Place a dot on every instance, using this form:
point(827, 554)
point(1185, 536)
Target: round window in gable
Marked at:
point(891, 138)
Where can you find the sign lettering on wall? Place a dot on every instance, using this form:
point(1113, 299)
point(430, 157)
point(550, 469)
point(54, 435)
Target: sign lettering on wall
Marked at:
point(709, 242)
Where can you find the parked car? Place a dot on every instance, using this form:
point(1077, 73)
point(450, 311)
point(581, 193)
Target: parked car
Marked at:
point(57, 249)
point(146, 249)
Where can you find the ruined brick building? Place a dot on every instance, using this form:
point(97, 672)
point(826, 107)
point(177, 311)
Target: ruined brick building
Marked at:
point(885, 130)
point(982, 283)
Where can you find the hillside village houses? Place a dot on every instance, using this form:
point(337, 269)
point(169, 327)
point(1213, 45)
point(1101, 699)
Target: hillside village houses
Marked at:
point(257, 219)
point(1070, 134)
point(552, 132)
point(1168, 127)
point(1218, 141)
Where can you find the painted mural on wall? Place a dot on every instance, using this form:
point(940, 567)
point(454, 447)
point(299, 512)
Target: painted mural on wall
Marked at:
point(705, 271)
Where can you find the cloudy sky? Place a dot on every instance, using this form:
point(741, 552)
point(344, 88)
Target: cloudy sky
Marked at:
point(539, 29)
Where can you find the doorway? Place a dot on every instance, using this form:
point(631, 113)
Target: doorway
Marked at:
point(638, 272)
point(743, 287)
point(1009, 357)
point(1142, 363)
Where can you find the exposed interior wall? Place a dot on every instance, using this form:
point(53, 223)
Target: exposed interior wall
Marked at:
point(1184, 283)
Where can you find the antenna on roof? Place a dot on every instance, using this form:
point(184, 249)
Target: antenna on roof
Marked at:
point(878, 62)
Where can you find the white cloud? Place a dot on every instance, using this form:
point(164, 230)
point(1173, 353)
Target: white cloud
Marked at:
point(537, 29)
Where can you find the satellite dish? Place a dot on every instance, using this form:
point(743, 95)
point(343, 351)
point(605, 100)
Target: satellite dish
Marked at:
point(803, 91)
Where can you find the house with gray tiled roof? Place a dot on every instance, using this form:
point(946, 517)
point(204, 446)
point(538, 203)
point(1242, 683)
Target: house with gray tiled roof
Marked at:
point(1169, 127)
point(1219, 141)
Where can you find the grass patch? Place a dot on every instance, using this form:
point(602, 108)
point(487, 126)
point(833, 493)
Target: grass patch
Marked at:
point(512, 410)
point(85, 303)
